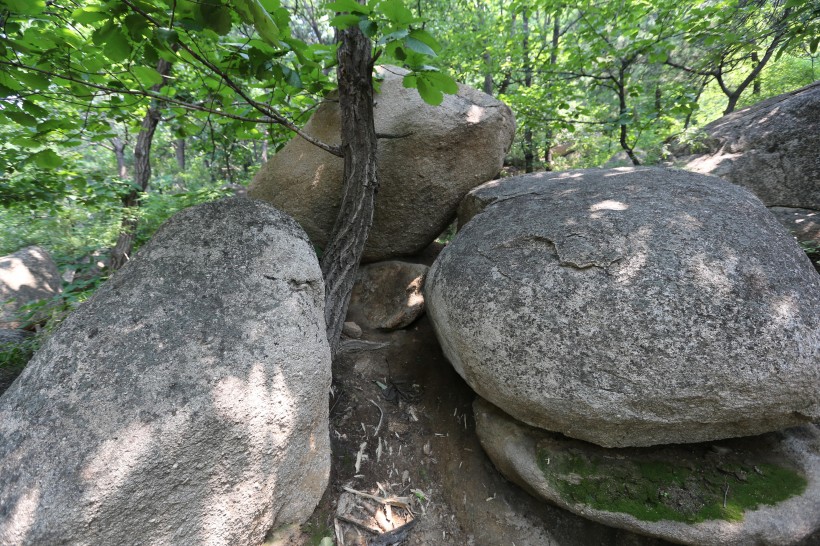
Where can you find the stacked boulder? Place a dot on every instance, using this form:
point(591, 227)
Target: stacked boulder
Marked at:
point(428, 158)
point(637, 307)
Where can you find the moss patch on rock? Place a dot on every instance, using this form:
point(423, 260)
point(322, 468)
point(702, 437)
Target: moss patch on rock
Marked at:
point(687, 483)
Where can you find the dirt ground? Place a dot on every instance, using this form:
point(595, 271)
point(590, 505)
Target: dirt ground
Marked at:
point(402, 427)
point(407, 466)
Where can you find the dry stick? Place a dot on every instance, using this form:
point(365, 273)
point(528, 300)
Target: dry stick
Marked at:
point(361, 524)
point(381, 418)
point(725, 493)
point(340, 536)
point(399, 502)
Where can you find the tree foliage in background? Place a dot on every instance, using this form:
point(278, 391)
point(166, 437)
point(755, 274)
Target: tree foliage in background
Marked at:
point(79, 80)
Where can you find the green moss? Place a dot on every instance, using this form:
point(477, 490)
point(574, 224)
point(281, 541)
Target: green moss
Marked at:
point(689, 485)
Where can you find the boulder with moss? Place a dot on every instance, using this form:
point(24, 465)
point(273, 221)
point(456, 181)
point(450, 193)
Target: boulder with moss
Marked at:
point(758, 490)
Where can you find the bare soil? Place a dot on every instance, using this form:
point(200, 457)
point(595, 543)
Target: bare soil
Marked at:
point(406, 398)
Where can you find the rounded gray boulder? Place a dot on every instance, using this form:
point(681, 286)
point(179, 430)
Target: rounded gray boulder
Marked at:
point(185, 402)
point(630, 307)
point(769, 148)
point(430, 158)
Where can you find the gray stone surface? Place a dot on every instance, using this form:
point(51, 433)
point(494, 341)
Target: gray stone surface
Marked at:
point(804, 224)
point(186, 402)
point(513, 447)
point(439, 153)
point(26, 276)
point(770, 148)
point(387, 295)
point(630, 307)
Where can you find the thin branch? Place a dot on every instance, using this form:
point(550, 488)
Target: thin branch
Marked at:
point(275, 116)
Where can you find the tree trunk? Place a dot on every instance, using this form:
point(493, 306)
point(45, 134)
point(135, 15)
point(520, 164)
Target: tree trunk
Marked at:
point(340, 260)
point(118, 145)
point(529, 154)
point(179, 151)
point(622, 111)
point(549, 134)
point(756, 84)
point(121, 252)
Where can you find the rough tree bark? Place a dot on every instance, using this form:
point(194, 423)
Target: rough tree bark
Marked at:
point(142, 175)
point(341, 257)
point(529, 154)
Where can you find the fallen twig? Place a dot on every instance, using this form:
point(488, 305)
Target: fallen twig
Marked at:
point(399, 502)
point(360, 524)
point(395, 536)
point(381, 418)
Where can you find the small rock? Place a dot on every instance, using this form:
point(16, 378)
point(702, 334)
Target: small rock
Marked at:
point(352, 330)
point(26, 276)
point(388, 295)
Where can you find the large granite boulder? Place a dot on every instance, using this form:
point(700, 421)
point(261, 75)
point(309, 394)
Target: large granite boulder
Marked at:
point(769, 148)
point(186, 402)
point(630, 307)
point(26, 276)
point(434, 156)
point(758, 490)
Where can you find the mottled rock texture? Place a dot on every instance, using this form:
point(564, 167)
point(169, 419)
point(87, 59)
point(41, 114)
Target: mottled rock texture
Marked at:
point(804, 224)
point(434, 156)
point(387, 295)
point(26, 276)
point(186, 402)
point(770, 148)
point(533, 458)
point(630, 307)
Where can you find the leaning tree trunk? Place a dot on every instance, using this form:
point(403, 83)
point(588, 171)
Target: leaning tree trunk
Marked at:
point(341, 258)
point(142, 175)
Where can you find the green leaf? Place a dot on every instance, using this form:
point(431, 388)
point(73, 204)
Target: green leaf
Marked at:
point(253, 13)
point(813, 45)
point(87, 16)
point(397, 12)
point(26, 7)
point(167, 36)
point(292, 77)
point(440, 81)
point(419, 47)
point(429, 94)
point(47, 159)
point(32, 80)
point(21, 118)
point(117, 46)
point(350, 6)
point(345, 21)
point(427, 38)
point(147, 76)
point(216, 17)
point(34, 109)
point(368, 28)
point(393, 36)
